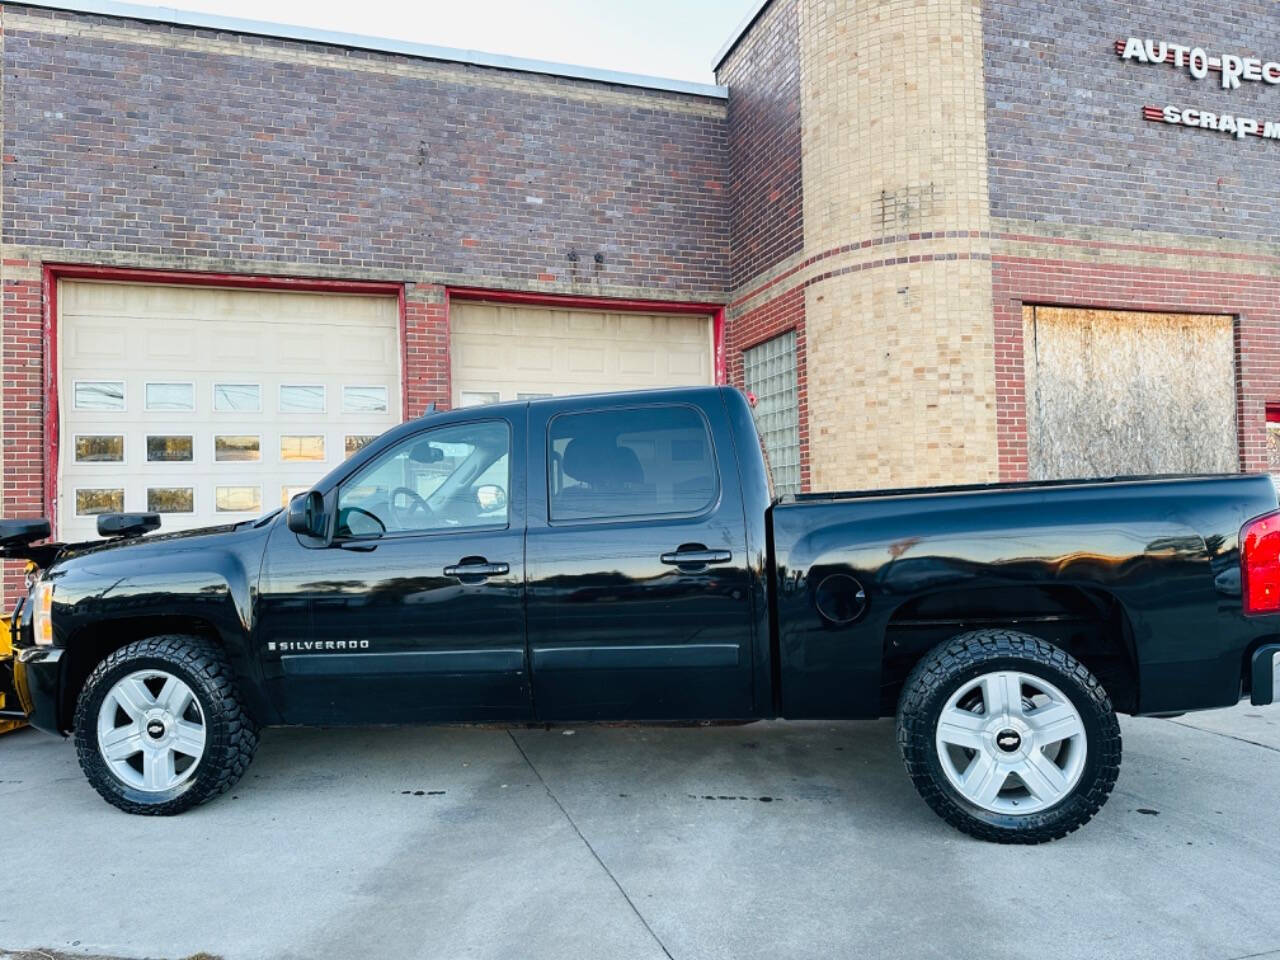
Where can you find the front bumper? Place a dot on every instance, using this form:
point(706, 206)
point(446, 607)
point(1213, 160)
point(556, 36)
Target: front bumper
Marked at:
point(1266, 675)
point(37, 675)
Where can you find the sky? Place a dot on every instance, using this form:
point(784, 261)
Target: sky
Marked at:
point(664, 38)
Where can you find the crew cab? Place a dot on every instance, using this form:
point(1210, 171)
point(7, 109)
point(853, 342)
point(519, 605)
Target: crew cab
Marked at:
point(622, 557)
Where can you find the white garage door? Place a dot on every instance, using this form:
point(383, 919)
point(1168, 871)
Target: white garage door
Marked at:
point(213, 405)
point(505, 352)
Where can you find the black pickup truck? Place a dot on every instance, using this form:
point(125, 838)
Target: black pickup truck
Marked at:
point(622, 557)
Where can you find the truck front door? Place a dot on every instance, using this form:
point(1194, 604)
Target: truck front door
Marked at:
point(639, 603)
point(417, 606)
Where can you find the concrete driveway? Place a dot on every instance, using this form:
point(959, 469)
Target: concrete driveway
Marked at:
point(778, 840)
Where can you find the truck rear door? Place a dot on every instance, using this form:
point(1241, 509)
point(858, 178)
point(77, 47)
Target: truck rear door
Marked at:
point(639, 605)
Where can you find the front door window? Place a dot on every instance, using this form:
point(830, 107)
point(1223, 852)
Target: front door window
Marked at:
point(450, 478)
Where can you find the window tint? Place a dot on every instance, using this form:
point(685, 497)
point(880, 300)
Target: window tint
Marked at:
point(645, 461)
point(431, 482)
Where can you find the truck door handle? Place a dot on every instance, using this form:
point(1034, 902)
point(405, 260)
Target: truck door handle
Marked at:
point(694, 556)
point(476, 569)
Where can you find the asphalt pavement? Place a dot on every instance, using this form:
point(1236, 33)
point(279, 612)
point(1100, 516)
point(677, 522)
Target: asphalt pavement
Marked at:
point(772, 840)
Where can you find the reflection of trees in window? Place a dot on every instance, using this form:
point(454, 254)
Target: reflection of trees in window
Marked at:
point(100, 449)
point(354, 443)
point(236, 448)
point(171, 499)
point(167, 449)
point(99, 500)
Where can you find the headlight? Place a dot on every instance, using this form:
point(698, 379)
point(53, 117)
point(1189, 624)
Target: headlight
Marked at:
point(41, 614)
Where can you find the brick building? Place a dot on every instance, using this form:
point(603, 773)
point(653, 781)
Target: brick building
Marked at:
point(957, 240)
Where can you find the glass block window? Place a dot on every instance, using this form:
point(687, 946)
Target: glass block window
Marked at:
point(770, 373)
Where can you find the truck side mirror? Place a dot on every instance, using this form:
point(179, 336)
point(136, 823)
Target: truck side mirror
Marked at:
point(306, 514)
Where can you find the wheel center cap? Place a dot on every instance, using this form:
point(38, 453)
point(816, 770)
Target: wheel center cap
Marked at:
point(155, 729)
point(1009, 740)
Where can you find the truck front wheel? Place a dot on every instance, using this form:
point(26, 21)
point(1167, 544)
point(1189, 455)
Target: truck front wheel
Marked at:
point(1008, 737)
point(159, 727)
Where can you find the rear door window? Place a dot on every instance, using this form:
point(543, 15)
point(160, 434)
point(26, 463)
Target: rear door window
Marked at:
point(631, 462)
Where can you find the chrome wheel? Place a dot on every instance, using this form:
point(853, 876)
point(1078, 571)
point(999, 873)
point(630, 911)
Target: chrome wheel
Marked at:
point(151, 731)
point(1011, 743)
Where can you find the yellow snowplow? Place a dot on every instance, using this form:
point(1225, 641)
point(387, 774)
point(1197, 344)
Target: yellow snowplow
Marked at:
point(8, 695)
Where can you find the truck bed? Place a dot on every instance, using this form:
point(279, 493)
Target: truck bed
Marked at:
point(1140, 574)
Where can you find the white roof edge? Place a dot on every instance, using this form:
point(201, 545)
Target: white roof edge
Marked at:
point(752, 15)
point(210, 21)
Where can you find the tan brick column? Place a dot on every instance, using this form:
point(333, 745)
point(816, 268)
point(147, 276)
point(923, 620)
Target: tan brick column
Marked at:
point(901, 372)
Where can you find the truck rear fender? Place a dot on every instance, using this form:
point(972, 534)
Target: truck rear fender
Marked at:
point(1089, 623)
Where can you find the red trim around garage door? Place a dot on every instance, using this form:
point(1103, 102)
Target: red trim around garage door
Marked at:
point(53, 272)
point(569, 302)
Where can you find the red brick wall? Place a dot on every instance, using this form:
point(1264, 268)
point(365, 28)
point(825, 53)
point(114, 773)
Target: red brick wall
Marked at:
point(1254, 300)
point(426, 346)
point(777, 316)
point(766, 209)
point(24, 440)
point(287, 154)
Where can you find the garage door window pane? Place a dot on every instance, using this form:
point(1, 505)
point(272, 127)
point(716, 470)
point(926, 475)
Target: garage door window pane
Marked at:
point(300, 398)
point(171, 396)
point(100, 449)
point(364, 399)
point(228, 448)
point(237, 397)
point(231, 499)
point(99, 395)
point(478, 398)
point(295, 448)
point(171, 499)
point(769, 372)
point(287, 493)
point(90, 502)
point(170, 449)
point(353, 442)
point(647, 461)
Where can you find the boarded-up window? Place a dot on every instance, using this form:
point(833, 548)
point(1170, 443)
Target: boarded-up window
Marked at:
point(1115, 392)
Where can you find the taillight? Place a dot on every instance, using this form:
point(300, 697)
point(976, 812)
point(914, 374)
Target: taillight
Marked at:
point(1260, 564)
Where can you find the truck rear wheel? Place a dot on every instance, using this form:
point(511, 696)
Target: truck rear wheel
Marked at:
point(159, 727)
point(1008, 737)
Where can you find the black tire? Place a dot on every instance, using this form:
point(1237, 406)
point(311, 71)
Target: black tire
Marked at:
point(950, 665)
point(231, 737)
